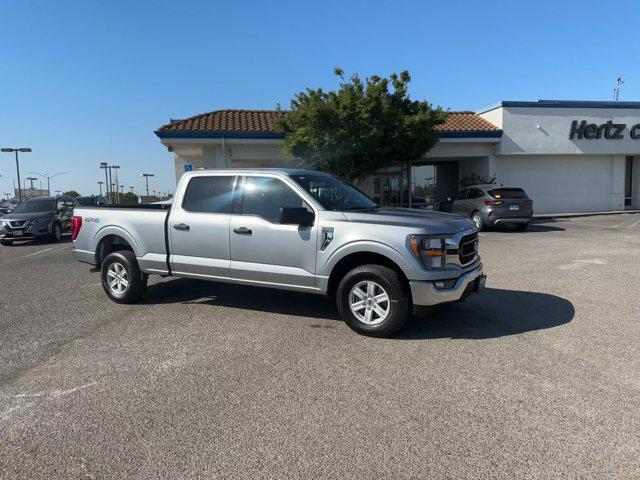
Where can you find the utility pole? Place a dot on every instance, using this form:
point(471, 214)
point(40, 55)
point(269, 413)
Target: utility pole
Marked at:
point(146, 178)
point(100, 184)
point(48, 177)
point(16, 150)
point(616, 91)
point(116, 168)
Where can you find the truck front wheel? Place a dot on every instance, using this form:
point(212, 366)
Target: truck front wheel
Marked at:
point(373, 300)
point(122, 280)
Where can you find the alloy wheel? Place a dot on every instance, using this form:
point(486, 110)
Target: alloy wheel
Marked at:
point(118, 278)
point(369, 302)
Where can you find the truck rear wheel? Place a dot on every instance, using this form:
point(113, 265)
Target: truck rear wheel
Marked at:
point(373, 300)
point(122, 280)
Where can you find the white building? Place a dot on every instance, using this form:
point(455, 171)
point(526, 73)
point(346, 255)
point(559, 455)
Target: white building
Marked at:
point(570, 156)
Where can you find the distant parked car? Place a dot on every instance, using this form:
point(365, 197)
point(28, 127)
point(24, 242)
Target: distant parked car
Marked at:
point(38, 217)
point(489, 205)
point(92, 200)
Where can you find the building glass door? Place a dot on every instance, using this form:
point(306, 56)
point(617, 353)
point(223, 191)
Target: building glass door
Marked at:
point(628, 182)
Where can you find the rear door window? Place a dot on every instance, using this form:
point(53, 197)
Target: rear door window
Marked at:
point(507, 193)
point(209, 194)
point(475, 193)
point(461, 194)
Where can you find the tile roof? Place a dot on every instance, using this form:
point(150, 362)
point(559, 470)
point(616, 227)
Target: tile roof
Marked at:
point(466, 121)
point(228, 121)
point(261, 122)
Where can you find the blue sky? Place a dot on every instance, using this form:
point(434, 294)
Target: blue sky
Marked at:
point(85, 81)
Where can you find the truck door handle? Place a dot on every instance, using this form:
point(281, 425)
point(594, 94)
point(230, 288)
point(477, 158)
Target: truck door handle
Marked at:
point(181, 226)
point(242, 231)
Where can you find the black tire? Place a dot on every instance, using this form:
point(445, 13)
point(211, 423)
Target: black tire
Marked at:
point(521, 227)
point(56, 232)
point(399, 304)
point(476, 218)
point(136, 280)
point(6, 243)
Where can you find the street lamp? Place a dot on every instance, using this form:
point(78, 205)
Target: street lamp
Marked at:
point(100, 183)
point(131, 189)
point(48, 177)
point(146, 178)
point(106, 178)
point(16, 150)
point(31, 179)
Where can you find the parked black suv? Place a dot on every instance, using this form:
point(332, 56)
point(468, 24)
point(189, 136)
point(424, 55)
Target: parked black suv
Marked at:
point(37, 217)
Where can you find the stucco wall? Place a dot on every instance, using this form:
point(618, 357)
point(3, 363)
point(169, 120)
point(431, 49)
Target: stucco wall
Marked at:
point(568, 183)
point(536, 130)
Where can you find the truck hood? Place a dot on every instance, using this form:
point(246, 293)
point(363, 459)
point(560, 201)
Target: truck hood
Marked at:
point(439, 222)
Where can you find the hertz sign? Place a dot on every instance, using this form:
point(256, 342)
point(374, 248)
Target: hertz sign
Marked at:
point(611, 131)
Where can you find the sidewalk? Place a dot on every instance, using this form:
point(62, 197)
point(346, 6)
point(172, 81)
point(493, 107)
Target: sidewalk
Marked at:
point(541, 216)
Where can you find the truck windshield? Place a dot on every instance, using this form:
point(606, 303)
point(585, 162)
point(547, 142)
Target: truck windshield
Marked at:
point(32, 206)
point(332, 193)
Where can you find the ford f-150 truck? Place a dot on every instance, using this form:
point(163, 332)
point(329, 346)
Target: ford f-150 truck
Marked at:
point(289, 229)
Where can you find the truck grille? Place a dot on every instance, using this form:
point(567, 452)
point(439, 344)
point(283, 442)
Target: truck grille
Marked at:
point(468, 248)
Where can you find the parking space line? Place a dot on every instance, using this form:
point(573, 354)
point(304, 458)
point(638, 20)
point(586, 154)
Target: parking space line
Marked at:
point(39, 251)
point(634, 224)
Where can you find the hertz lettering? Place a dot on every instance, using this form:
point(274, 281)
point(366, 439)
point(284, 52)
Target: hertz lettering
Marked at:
point(611, 131)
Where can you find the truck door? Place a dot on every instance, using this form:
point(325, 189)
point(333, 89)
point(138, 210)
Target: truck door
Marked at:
point(199, 227)
point(263, 251)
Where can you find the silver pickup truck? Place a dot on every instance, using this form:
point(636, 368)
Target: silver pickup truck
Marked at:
point(289, 229)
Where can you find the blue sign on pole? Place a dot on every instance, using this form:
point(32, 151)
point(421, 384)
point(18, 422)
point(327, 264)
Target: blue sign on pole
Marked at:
point(188, 167)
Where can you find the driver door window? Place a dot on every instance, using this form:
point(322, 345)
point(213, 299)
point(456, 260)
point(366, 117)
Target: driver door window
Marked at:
point(264, 197)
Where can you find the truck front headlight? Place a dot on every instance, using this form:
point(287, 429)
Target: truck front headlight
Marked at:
point(432, 251)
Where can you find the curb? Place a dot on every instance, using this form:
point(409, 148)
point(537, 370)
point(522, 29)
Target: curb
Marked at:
point(545, 216)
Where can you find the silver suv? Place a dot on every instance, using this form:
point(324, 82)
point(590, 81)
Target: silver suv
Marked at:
point(288, 229)
point(489, 205)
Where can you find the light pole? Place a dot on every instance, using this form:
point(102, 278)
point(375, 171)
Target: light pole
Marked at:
point(58, 192)
point(116, 168)
point(146, 178)
point(106, 178)
point(100, 184)
point(16, 150)
point(131, 189)
point(8, 195)
point(48, 177)
point(31, 180)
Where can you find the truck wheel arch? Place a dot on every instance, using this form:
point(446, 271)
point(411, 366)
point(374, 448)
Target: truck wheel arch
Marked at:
point(356, 259)
point(112, 242)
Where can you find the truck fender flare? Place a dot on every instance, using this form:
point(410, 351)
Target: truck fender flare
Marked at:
point(113, 230)
point(360, 246)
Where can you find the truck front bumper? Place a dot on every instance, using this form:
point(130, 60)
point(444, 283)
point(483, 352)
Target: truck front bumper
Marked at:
point(431, 293)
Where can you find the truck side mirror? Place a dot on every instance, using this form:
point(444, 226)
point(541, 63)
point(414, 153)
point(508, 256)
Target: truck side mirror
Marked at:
point(296, 216)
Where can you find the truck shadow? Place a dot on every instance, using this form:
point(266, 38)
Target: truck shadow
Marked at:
point(183, 290)
point(491, 314)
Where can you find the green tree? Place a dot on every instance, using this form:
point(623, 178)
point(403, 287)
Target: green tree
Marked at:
point(72, 194)
point(361, 127)
point(128, 197)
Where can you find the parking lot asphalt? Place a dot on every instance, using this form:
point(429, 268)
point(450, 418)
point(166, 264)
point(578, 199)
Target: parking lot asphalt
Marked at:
point(537, 376)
